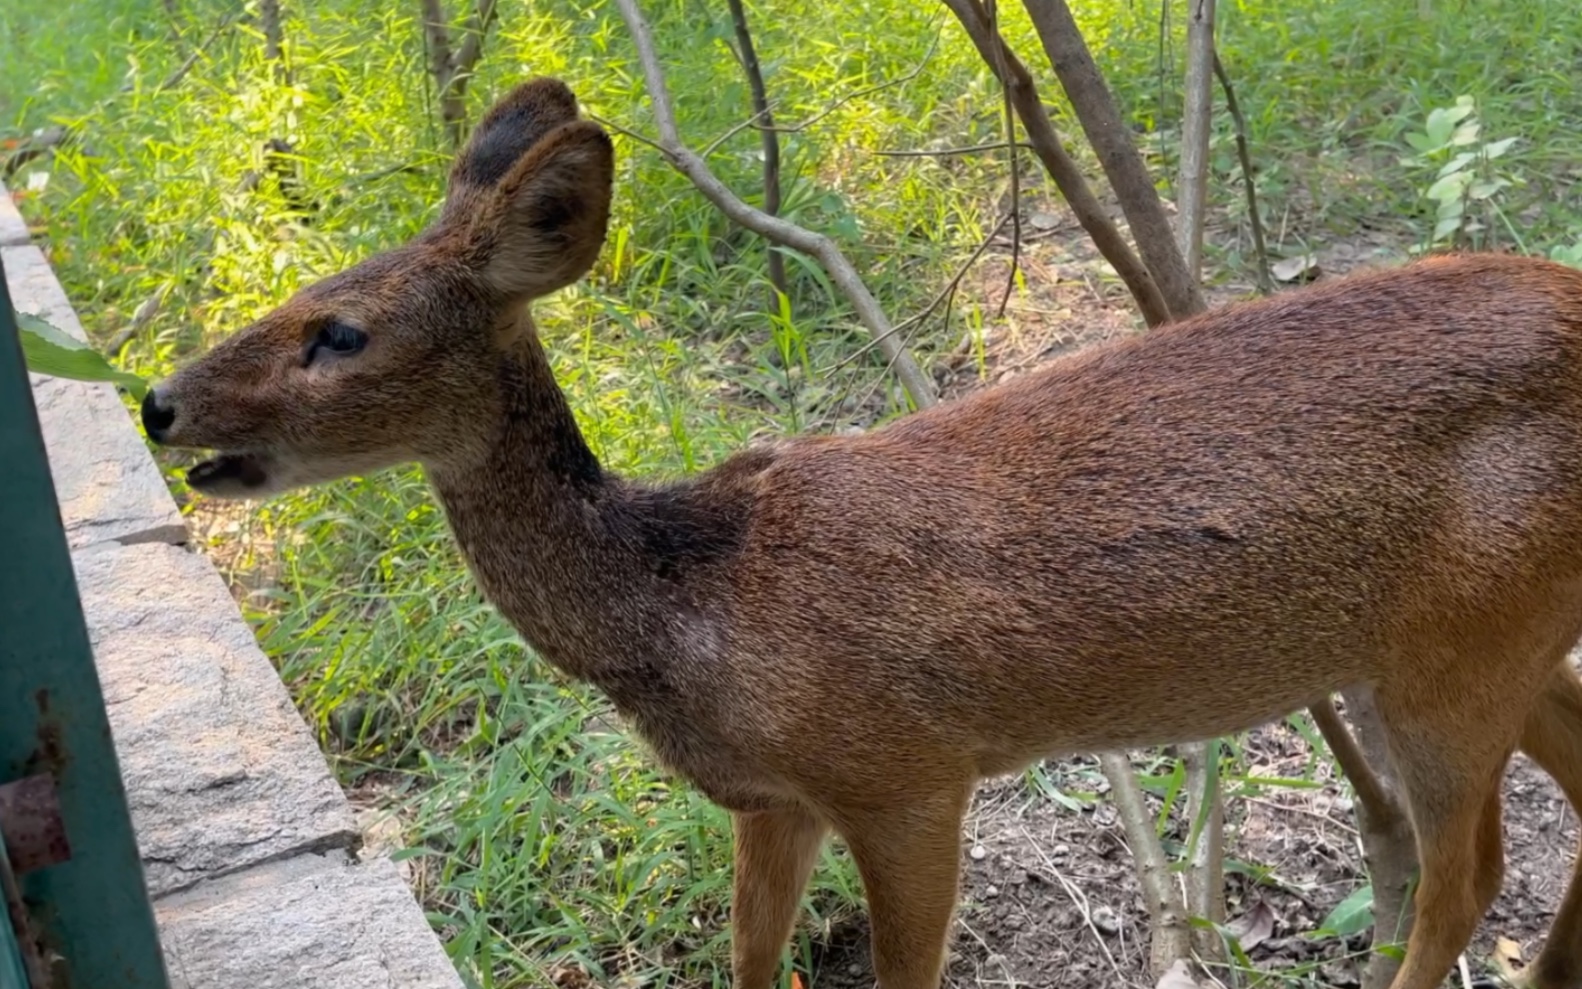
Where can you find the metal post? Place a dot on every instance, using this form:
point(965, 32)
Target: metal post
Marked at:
point(87, 916)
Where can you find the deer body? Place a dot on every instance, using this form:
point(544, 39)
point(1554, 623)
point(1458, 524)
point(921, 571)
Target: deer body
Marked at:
point(1375, 482)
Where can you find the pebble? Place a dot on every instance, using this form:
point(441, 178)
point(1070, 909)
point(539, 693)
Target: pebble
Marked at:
point(979, 853)
point(1105, 921)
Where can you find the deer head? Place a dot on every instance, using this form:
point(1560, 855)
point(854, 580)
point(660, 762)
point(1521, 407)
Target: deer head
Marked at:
point(400, 357)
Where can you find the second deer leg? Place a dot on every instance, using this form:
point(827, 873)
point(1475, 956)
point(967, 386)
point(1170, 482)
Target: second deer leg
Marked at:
point(775, 853)
point(1553, 739)
point(910, 861)
point(1451, 778)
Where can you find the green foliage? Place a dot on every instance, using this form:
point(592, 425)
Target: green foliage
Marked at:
point(1466, 181)
point(50, 350)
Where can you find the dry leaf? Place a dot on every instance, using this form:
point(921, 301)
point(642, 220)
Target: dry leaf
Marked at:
point(1508, 958)
point(1253, 927)
point(1177, 976)
point(1298, 269)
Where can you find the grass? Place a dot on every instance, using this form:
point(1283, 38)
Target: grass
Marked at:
point(538, 835)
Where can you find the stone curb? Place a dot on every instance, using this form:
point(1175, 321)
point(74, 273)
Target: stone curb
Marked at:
point(245, 838)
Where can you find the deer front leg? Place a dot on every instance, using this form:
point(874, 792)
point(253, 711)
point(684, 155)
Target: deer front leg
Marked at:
point(775, 853)
point(910, 861)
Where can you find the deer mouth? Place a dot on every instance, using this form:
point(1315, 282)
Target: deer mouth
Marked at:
point(229, 474)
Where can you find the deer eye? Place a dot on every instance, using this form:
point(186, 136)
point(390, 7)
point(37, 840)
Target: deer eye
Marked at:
point(337, 338)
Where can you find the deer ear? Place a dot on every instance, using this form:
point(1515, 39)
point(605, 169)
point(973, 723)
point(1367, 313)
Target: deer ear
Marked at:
point(543, 224)
point(519, 120)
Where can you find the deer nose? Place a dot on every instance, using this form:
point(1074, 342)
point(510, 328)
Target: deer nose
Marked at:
point(157, 418)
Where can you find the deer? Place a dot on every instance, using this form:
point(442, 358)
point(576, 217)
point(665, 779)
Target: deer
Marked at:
point(1374, 481)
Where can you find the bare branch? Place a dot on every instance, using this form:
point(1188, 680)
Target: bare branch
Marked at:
point(918, 385)
point(1107, 132)
point(1002, 73)
point(451, 68)
point(1196, 126)
point(466, 57)
point(1067, 176)
point(269, 18)
point(1172, 934)
point(766, 132)
point(949, 152)
point(1265, 281)
point(942, 296)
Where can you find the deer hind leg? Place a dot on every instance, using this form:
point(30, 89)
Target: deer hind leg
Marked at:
point(910, 860)
point(1452, 782)
point(775, 854)
point(1552, 737)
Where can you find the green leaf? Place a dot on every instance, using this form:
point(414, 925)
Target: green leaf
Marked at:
point(50, 350)
point(1450, 187)
point(1496, 148)
point(1447, 226)
point(1423, 143)
point(1351, 915)
point(1457, 163)
point(1466, 134)
point(1483, 190)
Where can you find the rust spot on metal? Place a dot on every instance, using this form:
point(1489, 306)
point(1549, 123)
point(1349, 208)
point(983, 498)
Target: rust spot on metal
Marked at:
point(50, 756)
point(31, 824)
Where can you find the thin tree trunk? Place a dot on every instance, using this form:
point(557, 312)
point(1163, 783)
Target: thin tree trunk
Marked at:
point(765, 122)
point(1196, 128)
point(1171, 937)
point(1062, 169)
point(1101, 122)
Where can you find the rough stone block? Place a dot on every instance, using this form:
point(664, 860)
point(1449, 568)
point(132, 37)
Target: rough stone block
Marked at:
point(220, 771)
point(107, 484)
point(312, 922)
point(13, 229)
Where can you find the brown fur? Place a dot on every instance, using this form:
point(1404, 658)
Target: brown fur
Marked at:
point(1372, 482)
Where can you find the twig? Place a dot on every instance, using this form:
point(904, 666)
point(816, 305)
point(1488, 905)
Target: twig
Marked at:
point(1002, 73)
point(140, 318)
point(1111, 138)
point(947, 152)
point(941, 296)
point(1079, 899)
point(1060, 166)
point(1265, 281)
point(918, 386)
point(1364, 782)
point(748, 56)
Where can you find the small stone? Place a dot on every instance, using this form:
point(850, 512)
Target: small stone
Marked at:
point(1060, 851)
point(991, 892)
point(854, 970)
point(978, 853)
point(1105, 922)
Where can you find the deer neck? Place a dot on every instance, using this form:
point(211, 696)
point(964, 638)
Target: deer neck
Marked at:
point(541, 526)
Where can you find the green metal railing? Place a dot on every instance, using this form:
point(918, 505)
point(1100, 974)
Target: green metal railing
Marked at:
point(76, 912)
